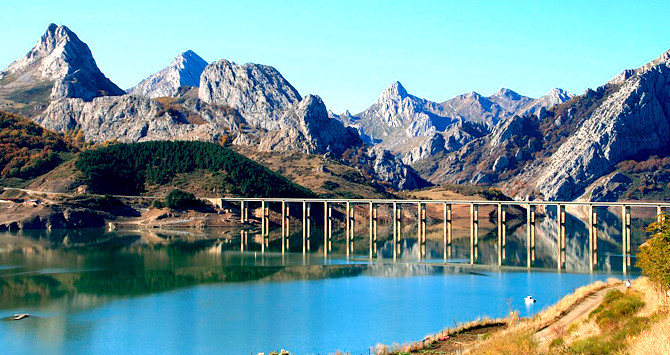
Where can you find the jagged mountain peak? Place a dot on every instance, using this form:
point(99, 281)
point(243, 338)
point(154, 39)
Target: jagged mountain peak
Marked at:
point(184, 70)
point(59, 66)
point(472, 95)
point(393, 91)
point(507, 94)
point(54, 52)
point(559, 94)
point(259, 92)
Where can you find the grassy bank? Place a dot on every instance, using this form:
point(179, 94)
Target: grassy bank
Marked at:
point(601, 318)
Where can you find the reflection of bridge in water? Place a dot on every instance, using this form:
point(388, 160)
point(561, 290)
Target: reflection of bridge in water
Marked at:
point(611, 222)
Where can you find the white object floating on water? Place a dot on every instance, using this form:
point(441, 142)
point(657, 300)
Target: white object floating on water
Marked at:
point(529, 299)
point(21, 316)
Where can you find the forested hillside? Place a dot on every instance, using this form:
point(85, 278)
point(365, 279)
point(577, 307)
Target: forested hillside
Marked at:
point(26, 149)
point(131, 168)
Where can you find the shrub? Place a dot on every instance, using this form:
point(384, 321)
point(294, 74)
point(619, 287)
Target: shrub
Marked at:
point(654, 255)
point(182, 200)
point(330, 185)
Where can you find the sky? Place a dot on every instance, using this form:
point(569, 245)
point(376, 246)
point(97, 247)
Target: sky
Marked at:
point(347, 52)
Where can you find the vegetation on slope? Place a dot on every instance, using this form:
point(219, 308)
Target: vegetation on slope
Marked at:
point(650, 178)
point(27, 150)
point(128, 168)
point(330, 178)
point(654, 255)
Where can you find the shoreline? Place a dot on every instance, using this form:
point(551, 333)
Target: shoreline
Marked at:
point(571, 318)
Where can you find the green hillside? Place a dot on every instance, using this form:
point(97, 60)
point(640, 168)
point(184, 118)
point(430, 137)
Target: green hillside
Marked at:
point(132, 168)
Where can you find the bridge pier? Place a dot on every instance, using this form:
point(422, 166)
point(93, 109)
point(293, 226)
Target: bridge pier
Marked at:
point(625, 236)
point(474, 232)
point(502, 232)
point(349, 228)
point(306, 226)
point(446, 230)
point(372, 226)
point(530, 235)
point(285, 226)
point(593, 237)
point(560, 216)
point(421, 229)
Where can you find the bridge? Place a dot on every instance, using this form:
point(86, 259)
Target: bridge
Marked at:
point(501, 208)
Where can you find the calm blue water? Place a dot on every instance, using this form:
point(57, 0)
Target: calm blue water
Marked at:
point(94, 292)
point(304, 316)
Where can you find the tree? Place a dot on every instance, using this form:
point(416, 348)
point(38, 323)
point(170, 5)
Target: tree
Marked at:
point(182, 200)
point(654, 256)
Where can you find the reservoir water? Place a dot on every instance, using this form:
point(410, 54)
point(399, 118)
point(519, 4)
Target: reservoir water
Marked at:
point(132, 292)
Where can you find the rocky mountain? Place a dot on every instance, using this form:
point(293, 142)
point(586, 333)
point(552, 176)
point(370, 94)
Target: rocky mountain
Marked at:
point(185, 70)
point(259, 92)
point(251, 105)
point(558, 153)
point(416, 128)
point(59, 66)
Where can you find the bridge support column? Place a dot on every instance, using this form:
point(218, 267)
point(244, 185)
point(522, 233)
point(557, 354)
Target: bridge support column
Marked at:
point(421, 229)
point(593, 237)
point(306, 226)
point(348, 229)
point(325, 228)
point(285, 226)
point(373, 229)
point(502, 231)
point(560, 216)
point(474, 232)
point(330, 227)
point(625, 236)
point(530, 235)
point(446, 230)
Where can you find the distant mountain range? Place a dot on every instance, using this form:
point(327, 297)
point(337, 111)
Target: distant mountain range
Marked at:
point(557, 147)
point(416, 128)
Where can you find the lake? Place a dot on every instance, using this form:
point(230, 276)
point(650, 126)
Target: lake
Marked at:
point(93, 291)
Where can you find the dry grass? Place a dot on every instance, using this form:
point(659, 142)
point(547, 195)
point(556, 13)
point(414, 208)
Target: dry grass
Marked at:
point(554, 312)
point(652, 298)
point(655, 340)
point(306, 170)
point(625, 326)
point(382, 349)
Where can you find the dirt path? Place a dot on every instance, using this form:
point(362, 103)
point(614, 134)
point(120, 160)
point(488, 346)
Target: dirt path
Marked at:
point(577, 310)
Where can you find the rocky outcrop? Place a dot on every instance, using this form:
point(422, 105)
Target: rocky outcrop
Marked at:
point(185, 70)
point(387, 168)
point(306, 127)
point(57, 217)
point(131, 119)
point(554, 97)
point(510, 101)
point(258, 92)
point(611, 188)
point(60, 63)
point(632, 120)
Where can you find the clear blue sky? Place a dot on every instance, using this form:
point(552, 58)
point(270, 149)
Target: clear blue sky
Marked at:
point(348, 51)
